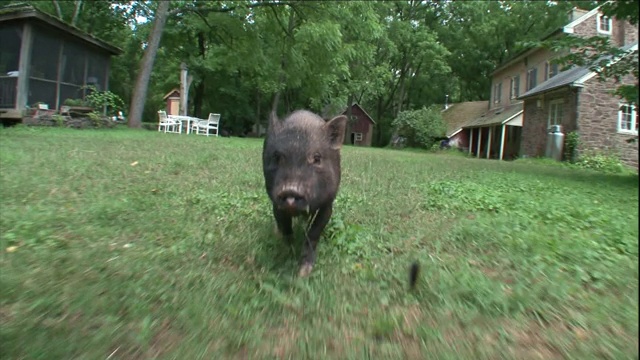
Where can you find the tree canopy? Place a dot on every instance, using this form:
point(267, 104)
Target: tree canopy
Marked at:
point(250, 57)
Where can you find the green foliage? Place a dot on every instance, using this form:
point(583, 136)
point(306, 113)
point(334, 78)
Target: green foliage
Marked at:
point(603, 162)
point(100, 99)
point(571, 144)
point(73, 102)
point(58, 119)
point(420, 127)
point(96, 118)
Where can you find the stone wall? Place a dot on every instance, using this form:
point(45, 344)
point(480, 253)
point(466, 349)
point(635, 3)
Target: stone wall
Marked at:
point(622, 33)
point(67, 121)
point(598, 121)
point(536, 119)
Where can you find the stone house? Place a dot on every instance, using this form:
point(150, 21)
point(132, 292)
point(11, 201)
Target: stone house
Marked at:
point(529, 94)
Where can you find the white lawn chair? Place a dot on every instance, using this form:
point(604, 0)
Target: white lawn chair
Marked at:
point(212, 123)
point(169, 124)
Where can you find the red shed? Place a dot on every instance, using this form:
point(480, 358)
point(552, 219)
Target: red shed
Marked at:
point(173, 102)
point(359, 128)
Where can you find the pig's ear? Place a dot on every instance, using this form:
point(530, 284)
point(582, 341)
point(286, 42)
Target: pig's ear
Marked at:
point(274, 122)
point(335, 131)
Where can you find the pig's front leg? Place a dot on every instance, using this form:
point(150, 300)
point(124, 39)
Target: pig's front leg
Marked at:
point(283, 224)
point(318, 221)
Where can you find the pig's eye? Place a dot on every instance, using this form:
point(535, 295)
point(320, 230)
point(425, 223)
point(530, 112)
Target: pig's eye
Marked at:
point(316, 158)
point(277, 156)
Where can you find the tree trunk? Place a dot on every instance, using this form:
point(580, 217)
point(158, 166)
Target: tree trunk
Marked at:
point(283, 62)
point(198, 97)
point(76, 12)
point(258, 122)
point(146, 65)
point(58, 10)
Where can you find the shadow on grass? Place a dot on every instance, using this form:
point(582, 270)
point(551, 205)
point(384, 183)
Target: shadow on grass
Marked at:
point(277, 256)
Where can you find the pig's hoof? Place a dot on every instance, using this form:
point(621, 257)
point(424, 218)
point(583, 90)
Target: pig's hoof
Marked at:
point(305, 270)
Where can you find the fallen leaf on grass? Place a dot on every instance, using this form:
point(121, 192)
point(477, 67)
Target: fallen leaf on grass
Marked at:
point(11, 249)
point(134, 163)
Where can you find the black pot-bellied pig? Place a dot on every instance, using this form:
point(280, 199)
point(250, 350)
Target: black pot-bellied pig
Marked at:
point(301, 165)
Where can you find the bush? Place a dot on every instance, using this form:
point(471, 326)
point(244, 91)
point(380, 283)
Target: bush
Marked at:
point(601, 162)
point(571, 143)
point(421, 127)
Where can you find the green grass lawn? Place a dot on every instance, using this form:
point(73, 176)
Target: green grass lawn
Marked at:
point(127, 244)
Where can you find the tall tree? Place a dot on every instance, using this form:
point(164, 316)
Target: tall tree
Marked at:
point(146, 65)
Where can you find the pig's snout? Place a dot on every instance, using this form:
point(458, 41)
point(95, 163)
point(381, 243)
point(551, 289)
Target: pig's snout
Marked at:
point(291, 200)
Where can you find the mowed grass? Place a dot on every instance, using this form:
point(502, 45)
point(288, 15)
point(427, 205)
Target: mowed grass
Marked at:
point(127, 244)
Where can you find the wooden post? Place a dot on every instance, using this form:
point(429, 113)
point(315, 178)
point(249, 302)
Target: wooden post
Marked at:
point(504, 129)
point(22, 93)
point(479, 142)
point(185, 81)
point(106, 85)
point(59, 75)
point(489, 142)
point(470, 141)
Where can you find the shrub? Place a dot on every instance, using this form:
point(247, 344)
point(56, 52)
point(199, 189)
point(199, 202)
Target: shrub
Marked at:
point(601, 162)
point(98, 99)
point(571, 142)
point(420, 127)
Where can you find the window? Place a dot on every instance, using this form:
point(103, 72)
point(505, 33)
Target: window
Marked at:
point(604, 24)
point(555, 112)
point(497, 93)
point(532, 77)
point(550, 70)
point(358, 136)
point(627, 119)
point(515, 87)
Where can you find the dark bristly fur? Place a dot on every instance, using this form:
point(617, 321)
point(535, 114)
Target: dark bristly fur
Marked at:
point(414, 271)
point(301, 165)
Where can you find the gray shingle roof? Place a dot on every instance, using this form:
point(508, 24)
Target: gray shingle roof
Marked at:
point(562, 79)
point(566, 77)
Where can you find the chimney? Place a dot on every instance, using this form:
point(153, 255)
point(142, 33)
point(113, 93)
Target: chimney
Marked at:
point(576, 13)
point(620, 36)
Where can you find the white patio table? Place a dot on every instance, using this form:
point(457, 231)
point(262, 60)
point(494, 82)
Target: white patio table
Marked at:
point(185, 119)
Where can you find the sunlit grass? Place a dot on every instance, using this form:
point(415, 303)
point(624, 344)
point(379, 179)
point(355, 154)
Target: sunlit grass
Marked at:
point(148, 245)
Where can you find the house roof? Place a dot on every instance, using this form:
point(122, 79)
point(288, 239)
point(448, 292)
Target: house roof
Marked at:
point(566, 29)
point(25, 11)
point(575, 76)
point(496, 116)
point(459, 114)
point(363, 110)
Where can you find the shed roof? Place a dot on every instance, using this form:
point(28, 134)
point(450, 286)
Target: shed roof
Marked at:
point(26, 11)
point(174, 90)
point(496, 116)
point(459, 114)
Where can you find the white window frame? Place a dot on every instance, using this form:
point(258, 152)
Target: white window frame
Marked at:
point(497, 93)
point(548, 67)
point(515, 87)
point(529, 71)
point(600, 23)
point(634, 119)
point(553, 103)
point(357, 136)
